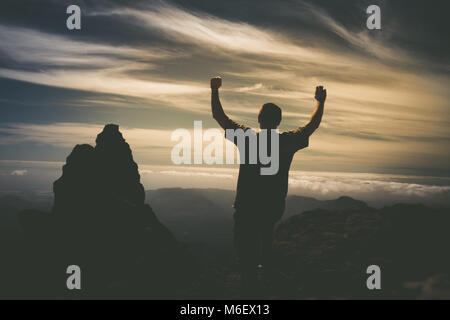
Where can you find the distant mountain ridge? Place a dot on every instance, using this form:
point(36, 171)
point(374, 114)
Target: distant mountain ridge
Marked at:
point(199, 214)
point(195, 214)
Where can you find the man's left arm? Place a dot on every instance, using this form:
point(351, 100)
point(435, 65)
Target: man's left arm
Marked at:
point(316, 118)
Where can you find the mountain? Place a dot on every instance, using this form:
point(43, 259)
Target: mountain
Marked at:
point(297, 204)
point(10, 206)
point(101, 223)
point(200, 218)
point(203, 218)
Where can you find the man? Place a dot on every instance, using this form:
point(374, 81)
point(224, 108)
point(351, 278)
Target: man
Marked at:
point(260, 199)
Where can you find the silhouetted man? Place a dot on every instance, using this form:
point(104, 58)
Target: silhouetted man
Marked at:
point(260, 199)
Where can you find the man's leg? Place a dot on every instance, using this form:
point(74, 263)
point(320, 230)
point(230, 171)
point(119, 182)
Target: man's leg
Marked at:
point(272, 215)
point(266, 248)
point(246, 244)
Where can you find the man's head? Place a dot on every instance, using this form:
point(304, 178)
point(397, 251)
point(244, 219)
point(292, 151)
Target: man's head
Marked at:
point(269, 116)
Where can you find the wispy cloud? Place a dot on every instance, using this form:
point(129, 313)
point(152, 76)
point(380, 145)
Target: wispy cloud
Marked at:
point(58, 61)
point(19, 173)
point(256, 86)
point(378, 190)
point(331, 185)
point(208, 30)
point(106, 81)
point(360, 39)
point(31, 46)
point(70, 134)
point(196, 173)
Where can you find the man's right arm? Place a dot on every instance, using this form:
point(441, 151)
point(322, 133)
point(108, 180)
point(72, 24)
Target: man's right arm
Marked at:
point(216, 107)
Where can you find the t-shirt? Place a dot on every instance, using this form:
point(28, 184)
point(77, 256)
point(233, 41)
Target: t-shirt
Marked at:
point(256, 192)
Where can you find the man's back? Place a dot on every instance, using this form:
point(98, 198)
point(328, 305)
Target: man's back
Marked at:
point(256, 191)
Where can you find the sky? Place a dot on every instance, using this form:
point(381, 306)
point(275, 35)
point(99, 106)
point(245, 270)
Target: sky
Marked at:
point(146, 65)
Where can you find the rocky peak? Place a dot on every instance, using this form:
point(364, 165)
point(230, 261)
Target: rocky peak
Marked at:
point(100, 222)
point(104, 173)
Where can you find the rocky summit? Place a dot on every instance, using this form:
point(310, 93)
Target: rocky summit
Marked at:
point(101, 223)
point(324, 254)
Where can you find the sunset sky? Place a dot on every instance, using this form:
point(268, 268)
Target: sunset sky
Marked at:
point(145, 65)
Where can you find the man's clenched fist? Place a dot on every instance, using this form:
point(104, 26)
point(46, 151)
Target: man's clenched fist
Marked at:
point(216, 82)
point(321, 94)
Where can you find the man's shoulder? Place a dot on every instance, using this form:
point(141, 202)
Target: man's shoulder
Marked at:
point(292, 132)
point(294, 140)
point(233, 132)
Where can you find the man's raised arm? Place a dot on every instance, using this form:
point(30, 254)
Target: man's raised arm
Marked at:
point(216, 107)
point(316, 118)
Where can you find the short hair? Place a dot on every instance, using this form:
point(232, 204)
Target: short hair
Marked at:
point(269, 115)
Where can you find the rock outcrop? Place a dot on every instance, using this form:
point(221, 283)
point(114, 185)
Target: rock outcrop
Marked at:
point(325, 254)
point(100, 222)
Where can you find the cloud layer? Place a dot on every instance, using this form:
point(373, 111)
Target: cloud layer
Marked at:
point(376, 189)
